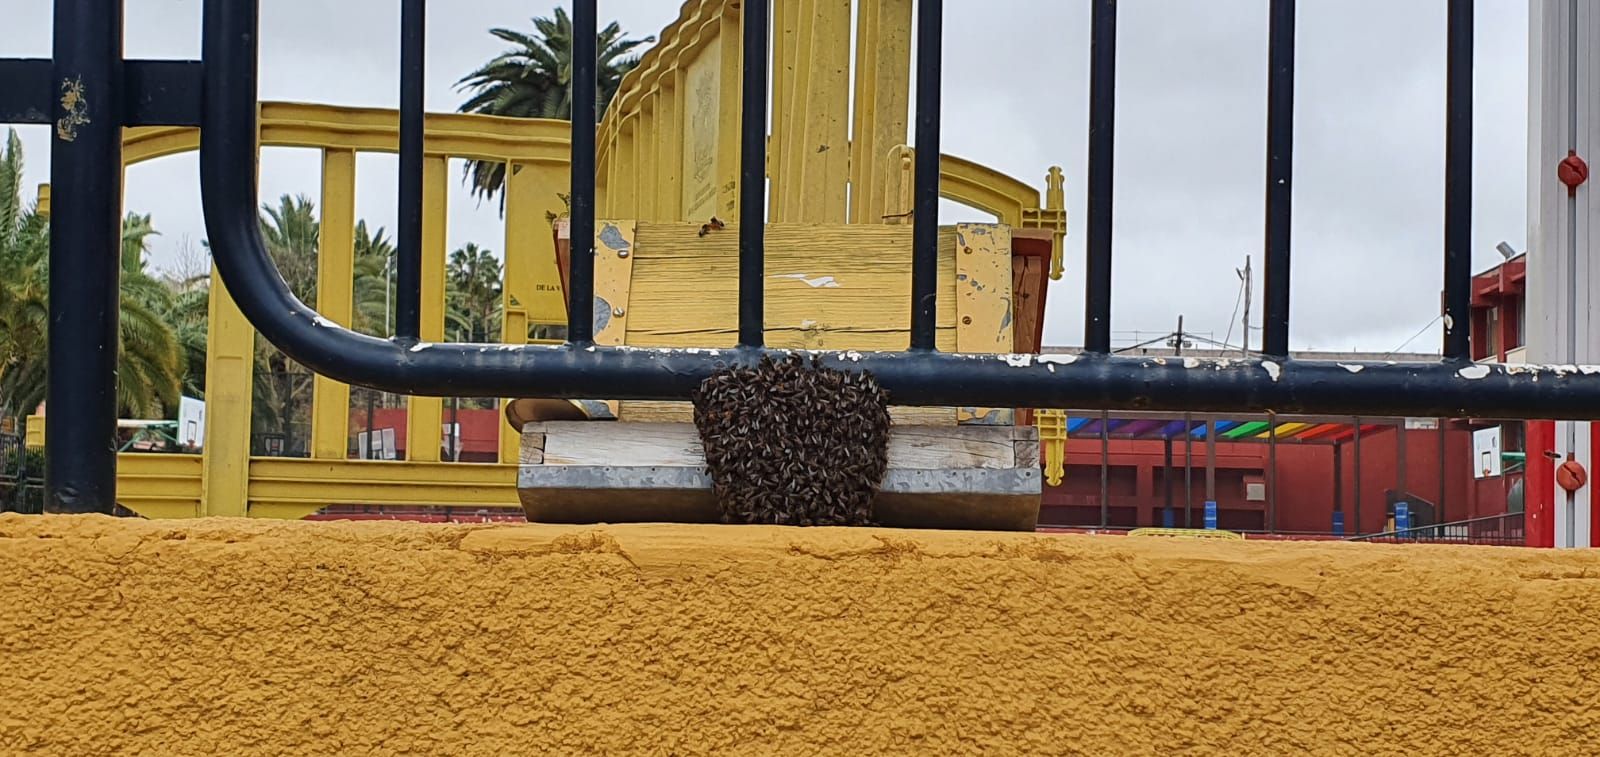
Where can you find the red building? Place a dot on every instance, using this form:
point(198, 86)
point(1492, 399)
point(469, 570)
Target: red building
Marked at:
point(1499, 304)
point(1309, 480)
point(1498, 315)
point(1499, 296)
point(473, 433)
point(1315, 478)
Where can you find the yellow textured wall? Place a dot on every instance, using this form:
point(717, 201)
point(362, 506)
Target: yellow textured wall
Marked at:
point(221, 637)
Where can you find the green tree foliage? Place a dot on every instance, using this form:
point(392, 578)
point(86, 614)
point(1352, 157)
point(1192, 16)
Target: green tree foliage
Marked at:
point(473, 291)
point(148, 366)
point(165, 317)
point(533, 79)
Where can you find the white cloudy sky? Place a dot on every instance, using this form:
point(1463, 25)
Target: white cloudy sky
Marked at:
point(1190, 149)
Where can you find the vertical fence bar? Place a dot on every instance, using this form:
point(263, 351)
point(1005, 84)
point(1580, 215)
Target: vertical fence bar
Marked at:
point(85, 242)
point(1102, 142)
point(580, 263)
point(1188, 469)
point(1356, 484)
point(925, 197)
point(753, 176)
point(1105, 469)
point(1458, 183)
point(1272, 473)
point(1280, 175)
point(1166, 483)
point(408, 254)
point(1438, 515)
point(1338, 488)
point(1211, 461)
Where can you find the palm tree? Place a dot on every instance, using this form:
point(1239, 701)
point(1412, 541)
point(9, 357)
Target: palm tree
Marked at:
point(149, 368)
point(11, 211)
point(372, 286)
point(188, 313)
point(147, 358)
point(151, 376)
point(136, 233)
point(533, 79)
point(292, 230)
point(474, 294)
point(281, 393)
point(24, 251)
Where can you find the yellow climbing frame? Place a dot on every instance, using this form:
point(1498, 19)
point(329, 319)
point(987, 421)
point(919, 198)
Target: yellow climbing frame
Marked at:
point(668, 152)
point(669, 147)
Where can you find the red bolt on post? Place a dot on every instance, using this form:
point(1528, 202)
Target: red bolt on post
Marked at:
point(1572, 171)
point(1570, 475)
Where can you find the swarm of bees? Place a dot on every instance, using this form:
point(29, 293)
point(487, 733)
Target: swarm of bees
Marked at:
point(794, 444)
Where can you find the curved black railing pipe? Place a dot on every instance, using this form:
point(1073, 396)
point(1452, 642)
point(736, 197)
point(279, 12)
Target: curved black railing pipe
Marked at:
point(228, 180)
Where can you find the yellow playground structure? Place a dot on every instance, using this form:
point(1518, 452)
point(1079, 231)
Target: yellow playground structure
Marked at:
point(667, 163)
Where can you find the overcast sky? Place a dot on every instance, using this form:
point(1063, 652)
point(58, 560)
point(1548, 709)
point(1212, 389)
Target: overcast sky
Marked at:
point(1190, 138)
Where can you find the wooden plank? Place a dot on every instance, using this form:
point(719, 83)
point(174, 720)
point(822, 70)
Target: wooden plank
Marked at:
point(599, 443)
point(669, 146)
point(1030, 258)
point(984, 316)
point(701, 121)
point(899, 176)
point(1027, 454)
point(649, 129)
point(962, 498)
point(731, 38)
point(883, 87)
point(828, 287)
point(532, 445)
point(814, 146)
point(624, 196)
point(784, 17)
point(1027, 287)
point(532, 284)
point(929, 448)
point(678, 444)
point(651, 411)
point(613, 280)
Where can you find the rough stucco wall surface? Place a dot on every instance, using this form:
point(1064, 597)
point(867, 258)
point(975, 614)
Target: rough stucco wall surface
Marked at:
point(223, 637)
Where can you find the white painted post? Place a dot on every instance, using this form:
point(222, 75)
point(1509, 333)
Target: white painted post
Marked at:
point(1563, 103)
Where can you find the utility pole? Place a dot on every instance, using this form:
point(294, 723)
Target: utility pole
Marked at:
point(1245, 352)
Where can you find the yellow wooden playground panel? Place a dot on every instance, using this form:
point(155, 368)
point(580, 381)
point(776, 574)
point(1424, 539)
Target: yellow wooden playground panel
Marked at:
point(667, 152)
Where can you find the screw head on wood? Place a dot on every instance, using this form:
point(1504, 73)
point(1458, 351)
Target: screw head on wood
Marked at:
point(618, 312)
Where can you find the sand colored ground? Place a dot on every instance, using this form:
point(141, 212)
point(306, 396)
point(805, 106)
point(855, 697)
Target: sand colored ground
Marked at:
point(227, 637)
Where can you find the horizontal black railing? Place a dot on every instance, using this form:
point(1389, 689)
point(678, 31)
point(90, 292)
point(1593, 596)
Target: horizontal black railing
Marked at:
point(118, 92)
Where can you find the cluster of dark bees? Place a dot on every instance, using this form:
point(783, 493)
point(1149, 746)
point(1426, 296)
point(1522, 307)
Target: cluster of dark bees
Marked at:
point(794, 444)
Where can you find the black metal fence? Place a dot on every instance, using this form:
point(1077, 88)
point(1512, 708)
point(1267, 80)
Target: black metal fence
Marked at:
point(21, 476)
point(1500, 530)
point(89, 92)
